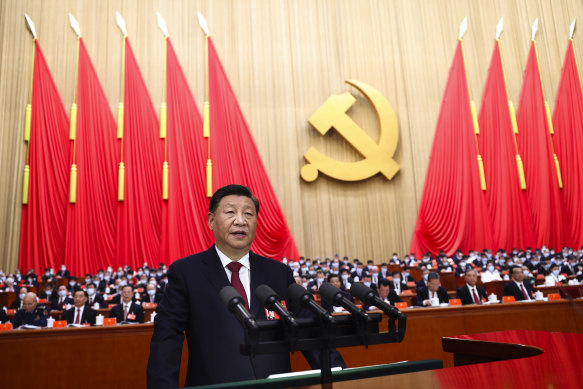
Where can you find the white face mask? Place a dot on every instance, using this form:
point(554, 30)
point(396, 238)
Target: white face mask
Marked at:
point(90, 291)
point(491, 269)
point(151, 292)
point(367, 283)
point(72, 283)
point(21, 296)
point(62, 293)
point(556, 272)
point(48, 292)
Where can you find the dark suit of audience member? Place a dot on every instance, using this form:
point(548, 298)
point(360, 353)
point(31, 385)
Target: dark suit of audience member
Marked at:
point(63, 273)
point(60, 303)
point(96, 298)
point(3, 316)
point(423, 295)
point(467, 297)
point(16, 303)
point(87, 316)
point(398, 287)
point(146, 298)
point(135, 313)
point(512, 289)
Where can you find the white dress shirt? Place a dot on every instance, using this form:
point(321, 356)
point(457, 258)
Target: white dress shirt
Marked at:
point(80, 314)
point(244, 272)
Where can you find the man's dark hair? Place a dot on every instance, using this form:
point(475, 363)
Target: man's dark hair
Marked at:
point(331, 275)
point(80, 290)
point(514, 268)
point(229, 190)
point(91, 283)
point(384, 282)
point(127, 286)
point(432, 276)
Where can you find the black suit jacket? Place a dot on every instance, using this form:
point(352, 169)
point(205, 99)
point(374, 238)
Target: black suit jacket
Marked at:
point(423, 294)
point(135, 309)
point(88, 315)
point(191, 305)
point(97, 298)
point(67, 300)
point(464, 294)
point(511, 289)
point(147, 299)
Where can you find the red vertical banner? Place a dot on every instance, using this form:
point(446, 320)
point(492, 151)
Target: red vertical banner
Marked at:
point(185, 212)
point(92, 218)
point(536, 148)
point(453, 210)
point(568, 141)
point(507, 202)
point(236, 160)
point(42, 233)
point(139, 213)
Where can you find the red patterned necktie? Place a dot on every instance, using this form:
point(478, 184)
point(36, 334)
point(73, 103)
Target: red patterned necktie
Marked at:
point(524, 292)
point(78, 319)
point(125, 312)
point(234, 267)
point(476, 299)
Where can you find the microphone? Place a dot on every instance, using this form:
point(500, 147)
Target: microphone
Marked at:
point(235, 303)
point(299, 295)
point(334, 296)
point(368, 296)
point(271, 300)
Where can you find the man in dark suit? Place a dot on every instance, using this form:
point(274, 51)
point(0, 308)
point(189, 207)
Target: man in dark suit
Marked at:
point(62, 300)
point(433, 290)
point(127, 311)
point(397, 283)
point(191, 302)
point(94, 297)
point(63, 273)
point(386, 293)
point(520, 290)
point(18, 301)
point(470, 293)
point(30, 313)
point(152, 294)
point(81, 313)
point(334, 280)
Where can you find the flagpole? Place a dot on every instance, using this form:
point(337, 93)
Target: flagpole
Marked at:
point(28, 114)
point(73, 123)
point(206, 108)
point(511, 111)
point(547, 108)
point(463, 29)
point(163, 109)
point(120, 111)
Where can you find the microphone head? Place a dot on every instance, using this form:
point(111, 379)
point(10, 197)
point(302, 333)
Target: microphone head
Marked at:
point(230, 297)
point(361, 291)
point(298, 294)
point(331, 294)
point(266, 296)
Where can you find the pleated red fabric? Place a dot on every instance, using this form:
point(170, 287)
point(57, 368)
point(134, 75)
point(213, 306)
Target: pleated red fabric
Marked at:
point(236, 160)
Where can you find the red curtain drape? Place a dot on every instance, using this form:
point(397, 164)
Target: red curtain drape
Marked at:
point(139, 215)
point(536, 148)
point(184, 214)
point(453, 213)
point(507, 202)
point(568, 141)
point(92, 219)
point(236, 160)
point(42, 234)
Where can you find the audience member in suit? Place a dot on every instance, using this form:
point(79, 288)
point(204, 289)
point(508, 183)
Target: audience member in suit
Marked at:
point(433, 289)
point(367, 280)
point(63, 273)
point(359, 272)
point(397, 283)
point(422, 283)
point(345, 279)
point(191, 302)
point(470, 293)
point(386, 293)
point(152, 294)
point(49, 293)
point(375, 275)
point(93, 296)
point(568, 267)
point(314, 285)
point(517, 288)
point(17, 303)
point(334, 280)
point(60, 303)
point(49, 276)
point(127, 310)
point(10, 285)
point(72, 285)
point(81, 313)
point(30, 313)
point(3, 316)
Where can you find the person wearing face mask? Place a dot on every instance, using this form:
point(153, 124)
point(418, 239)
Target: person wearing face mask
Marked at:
point(554, 276)
point(62, 299)
point(491, 273)
point(17, 303)
point(48, 277)
point(63, 273)
point(152, 294)
point(568, 266)
point(345, 279)
point(49, 293)
point(397, 283)
point(9, 285)
point(422, 283)
point(72, 285)
point(94, 297)
point(334, 280)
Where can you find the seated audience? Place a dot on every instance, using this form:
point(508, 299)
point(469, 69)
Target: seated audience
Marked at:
point(470, 293)
point(81, 313)
point(62, 300)
point(94, 297)
point(30, 313)
point(63, 273)
point(491, 274)
point(334, 280)
point(10, 286)
point(422, 283)
point(433, 290)
point(127, 310)
point(49, 293)
point(152, 294)
point(397, 283)
point(518, 289)
point(18, 301)
point(386, 293)
point(554, 277)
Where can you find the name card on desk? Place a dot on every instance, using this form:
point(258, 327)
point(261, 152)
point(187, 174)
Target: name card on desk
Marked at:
point(401, 305)
point(508, 299)
point(554, 296)
point(6, 326)
point(111, 306)
point(150, 305)
point(109, 321)
point(60, 324)
point(455, 302)
point(11, 311)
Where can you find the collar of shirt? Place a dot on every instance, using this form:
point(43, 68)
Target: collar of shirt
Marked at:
point(244, 272)
point(519, 284)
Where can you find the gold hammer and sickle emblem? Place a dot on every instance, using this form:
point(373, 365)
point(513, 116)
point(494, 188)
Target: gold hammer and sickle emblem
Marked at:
point(377, 157)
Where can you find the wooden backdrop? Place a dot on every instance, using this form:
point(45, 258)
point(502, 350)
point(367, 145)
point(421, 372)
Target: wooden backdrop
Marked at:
point(284, 59)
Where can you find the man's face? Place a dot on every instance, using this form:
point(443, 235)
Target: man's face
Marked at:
point(433, 285)
point(471, 278)
point(517, 274)
point(29, 302)
point(63, 288)
point(334, 281)
point(233, 224)
point(383, 291)
point(126, 295)
point(79, 298)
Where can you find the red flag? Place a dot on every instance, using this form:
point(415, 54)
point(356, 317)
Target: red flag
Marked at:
point(507, 202)
point(139, 217)
point(184, 214)
point(568, 124)
point(453, 211)
point(236, 160)
point(42, 233)
point(535, 146)
point(92, 219)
